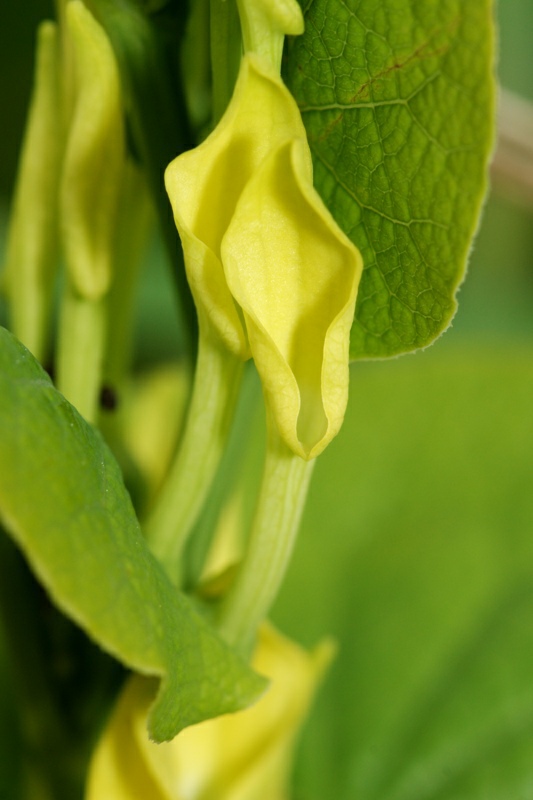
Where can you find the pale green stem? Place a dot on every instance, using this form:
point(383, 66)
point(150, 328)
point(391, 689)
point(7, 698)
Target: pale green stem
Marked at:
point(82, 338)
point(225, 53)
point(241, 455)
point(259, 35)
point(30, 307)
point(281, 502)
point(60, 10)
point(134, 220)
point(67, 63)
point(215, 391)
point(196, 64)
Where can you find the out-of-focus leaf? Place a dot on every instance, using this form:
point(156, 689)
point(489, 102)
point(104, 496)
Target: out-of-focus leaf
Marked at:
point(397, 100)
point(418, 556)
point(63, 501)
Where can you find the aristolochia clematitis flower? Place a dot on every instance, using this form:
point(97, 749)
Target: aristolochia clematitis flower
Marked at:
point(205, 184)
point(270, 271)
point(295, 276)
point(243, 756)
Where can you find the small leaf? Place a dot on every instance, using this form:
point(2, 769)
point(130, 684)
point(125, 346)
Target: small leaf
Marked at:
point(63, 501)
point(398, 103)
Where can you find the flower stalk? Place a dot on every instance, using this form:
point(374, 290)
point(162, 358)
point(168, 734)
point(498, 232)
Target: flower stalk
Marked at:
point(215, 392)
point(282, 497)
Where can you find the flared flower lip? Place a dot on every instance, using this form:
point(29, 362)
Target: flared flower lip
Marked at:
point(298, 147)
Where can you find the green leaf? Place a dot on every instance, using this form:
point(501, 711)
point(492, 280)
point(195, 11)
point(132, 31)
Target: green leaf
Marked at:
point(397, 98)
point(421, 564)
point(63, 501)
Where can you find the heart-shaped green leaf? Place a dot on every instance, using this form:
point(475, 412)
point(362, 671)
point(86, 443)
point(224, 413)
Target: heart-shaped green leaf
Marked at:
point(62, 499)
point(397, 99)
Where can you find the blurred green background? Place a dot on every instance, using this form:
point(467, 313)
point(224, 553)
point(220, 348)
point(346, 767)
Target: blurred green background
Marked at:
point(416, 550)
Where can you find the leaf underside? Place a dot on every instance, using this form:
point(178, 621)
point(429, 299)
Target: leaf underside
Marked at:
point(63, 501)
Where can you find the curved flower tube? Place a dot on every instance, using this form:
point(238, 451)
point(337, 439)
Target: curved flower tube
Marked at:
point(265, 23)
point(295, 276)
point(243, 756)
point(268, 266)
point(204, 186)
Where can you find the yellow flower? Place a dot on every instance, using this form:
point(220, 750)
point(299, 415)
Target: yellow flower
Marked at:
point(243, 756)
point(295, 276)
point(270, 270)
point(205, 184)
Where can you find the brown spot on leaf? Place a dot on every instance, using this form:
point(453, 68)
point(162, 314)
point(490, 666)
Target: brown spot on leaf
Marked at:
point(423, 52)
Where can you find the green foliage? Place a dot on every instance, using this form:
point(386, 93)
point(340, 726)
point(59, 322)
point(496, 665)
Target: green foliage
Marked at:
point(397, 98)
point(422, 566)
point(63, 500)
point(415, 550)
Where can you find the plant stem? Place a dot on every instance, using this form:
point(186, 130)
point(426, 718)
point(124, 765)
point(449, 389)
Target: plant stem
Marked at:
point(281, 502)
point(82, 336)
point(225, 53)
point(215, 392)
point(134, 220)
point(228, 477)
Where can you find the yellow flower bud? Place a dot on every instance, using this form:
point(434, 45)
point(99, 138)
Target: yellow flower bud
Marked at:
point(31, 257)
point(92, 169)
point(243, 756)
